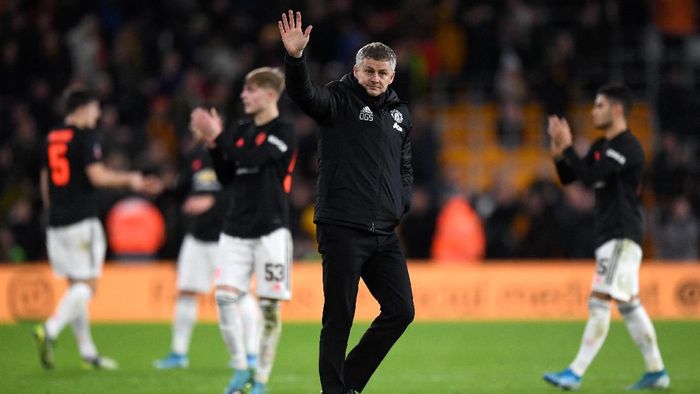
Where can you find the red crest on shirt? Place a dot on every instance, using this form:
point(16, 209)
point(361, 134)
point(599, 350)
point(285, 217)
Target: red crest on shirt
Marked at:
point(240, 142)
point(260, 138)
point(196, 164)
point(596, 155)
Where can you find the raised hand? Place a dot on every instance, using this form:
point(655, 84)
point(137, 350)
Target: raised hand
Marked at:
point(560, 134)
point(293, 38)
point(206, 125)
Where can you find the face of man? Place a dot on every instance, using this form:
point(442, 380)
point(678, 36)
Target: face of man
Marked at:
point(256, 98)
point(374, 75)
point(603, 111)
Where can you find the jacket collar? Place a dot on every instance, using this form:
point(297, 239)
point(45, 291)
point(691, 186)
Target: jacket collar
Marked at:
point(388, 98)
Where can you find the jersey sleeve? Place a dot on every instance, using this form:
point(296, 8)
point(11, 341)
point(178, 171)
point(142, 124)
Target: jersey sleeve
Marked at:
point(224, 167)
point(91, 148)
point(319, 102)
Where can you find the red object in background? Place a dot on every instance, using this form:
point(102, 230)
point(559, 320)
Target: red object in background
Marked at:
point(135, 227)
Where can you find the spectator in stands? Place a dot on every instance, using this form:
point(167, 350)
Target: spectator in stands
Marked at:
point(575, 222)
point(670, 172)
point(677, 237)
point(195, 52)
point(541, 237)
point(23, 222)
point(418, 225)
point(499, 208)
point(425, 148)
point(459, 233)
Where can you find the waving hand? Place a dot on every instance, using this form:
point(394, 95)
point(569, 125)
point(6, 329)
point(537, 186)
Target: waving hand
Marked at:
point(293, 38)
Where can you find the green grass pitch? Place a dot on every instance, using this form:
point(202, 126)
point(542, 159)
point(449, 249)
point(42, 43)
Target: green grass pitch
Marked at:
point(460, 357)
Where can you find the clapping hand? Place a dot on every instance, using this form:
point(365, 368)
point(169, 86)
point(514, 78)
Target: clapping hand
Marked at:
point(560, 135)
point(206, 125)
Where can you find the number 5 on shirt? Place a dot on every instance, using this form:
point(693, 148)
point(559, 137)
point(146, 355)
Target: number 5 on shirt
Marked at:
point(58, 162)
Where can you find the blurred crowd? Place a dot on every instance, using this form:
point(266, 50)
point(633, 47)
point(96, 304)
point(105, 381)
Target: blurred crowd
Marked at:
point(152, 62)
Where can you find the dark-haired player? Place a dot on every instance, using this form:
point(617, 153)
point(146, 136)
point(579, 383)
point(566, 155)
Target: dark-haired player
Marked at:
point(613, 168)
point(72, 170)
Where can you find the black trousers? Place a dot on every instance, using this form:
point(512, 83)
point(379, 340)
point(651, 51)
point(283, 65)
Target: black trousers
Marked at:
point(348, 255)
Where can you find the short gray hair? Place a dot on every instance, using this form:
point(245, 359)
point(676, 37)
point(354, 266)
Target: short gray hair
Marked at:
point(376, 51)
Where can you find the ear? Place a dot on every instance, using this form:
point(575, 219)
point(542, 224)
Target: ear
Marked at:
point(355, 70)
point(273, 95)
point(391, 79)
point(618, 109)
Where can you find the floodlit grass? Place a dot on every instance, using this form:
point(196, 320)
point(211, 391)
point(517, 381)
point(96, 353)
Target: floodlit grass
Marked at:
point(464, 357)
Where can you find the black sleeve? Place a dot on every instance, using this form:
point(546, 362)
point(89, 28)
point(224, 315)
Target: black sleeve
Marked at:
point(593, 171)
point(225, 169)
point(406, 172)
point(184, 183)
point(92, 150)
point(565, 173)
point(276, 143)
point(317, 102)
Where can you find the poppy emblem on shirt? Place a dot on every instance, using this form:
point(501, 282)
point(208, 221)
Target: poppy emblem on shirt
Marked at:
point(240, 142)
point(260, 138)
point(596, 155)
point(196, 164)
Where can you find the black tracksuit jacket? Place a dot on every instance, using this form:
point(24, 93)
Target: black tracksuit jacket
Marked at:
point(365, 173)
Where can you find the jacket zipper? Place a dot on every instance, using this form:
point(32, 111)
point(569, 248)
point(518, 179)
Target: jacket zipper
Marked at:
point(377, 201)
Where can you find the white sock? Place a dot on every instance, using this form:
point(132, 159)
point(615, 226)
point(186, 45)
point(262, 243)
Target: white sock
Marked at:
point(231, 326)
point(68, 308)
point(593, 335)
point(251, 320)
point(643, 334)
point(83, 336)
point(272, 328)
point(183, 323)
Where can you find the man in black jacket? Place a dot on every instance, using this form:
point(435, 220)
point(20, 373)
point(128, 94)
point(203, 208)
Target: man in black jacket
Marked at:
point(364, 187)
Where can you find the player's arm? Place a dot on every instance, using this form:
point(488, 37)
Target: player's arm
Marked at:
point(591, 173)
point(565, 173)
point(101, 176)
point(207, 126)
point(318, 102)
point(225, 169)
point(560, 137)
point(588, 171)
